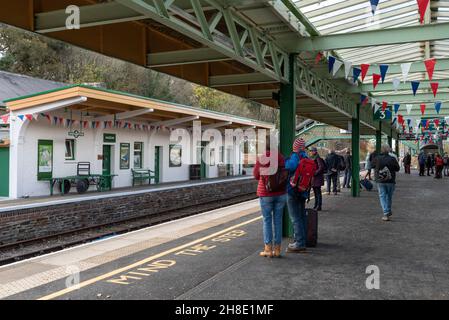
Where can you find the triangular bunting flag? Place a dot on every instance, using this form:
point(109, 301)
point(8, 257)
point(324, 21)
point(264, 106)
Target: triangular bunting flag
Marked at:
point(364, 67)
point(430, 66)
point(21, 117)
point(376, 108)
point(374, 4)
point(422, 7)
point(409, 108)
point(318, 57)
point(348, 65)
point(405, 67)
point(331, 63)
point(376, 78)
point(415, 86)
point(383, 71)
point(337, 66)
point(423, 109)
point(396, 83)
point(434, 86)
point(396, 107)
point(438, 107)
point(436, 122)
point(384, 105)
point(5, 118)
point(356, 73)
point(363, 99)
point(400, 119)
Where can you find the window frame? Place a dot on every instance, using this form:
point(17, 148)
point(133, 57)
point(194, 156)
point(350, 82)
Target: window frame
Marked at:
point(141, 155)
point(73, 157)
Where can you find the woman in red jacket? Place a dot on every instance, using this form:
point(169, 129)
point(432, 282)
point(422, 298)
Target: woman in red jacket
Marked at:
point(272, 203)
point(439, 163)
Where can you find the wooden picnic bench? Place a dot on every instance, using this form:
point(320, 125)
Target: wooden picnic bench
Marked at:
point(141, 175)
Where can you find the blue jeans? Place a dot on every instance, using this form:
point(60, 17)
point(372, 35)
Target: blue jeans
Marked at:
point(348, 177)
point(386, 191)
point(272, 212)
point(297, 212)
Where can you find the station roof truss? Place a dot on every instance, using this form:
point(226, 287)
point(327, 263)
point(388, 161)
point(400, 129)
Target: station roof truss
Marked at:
point(242, 46)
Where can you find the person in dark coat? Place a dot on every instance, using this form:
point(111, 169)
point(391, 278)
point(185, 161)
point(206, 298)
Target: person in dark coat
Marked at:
point(422, 163)
point(407, 163)
point(318, 178)
point(429, 164)
point(348, 170)
point(386, 167)
point(332, 163)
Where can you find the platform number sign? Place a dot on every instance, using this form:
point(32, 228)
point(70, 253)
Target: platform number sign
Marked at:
point(383, 115)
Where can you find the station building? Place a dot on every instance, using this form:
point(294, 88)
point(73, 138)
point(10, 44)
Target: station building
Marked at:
point(118, 135)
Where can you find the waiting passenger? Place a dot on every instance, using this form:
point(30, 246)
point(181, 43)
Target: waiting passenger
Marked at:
point(422, 163)
point(318, 179)
point(386, 167)
point(332, 163)
point(439, 166)
point(407, 163)
point(272, 203)
point(429, 164)
point(297, 201)
point(348, 170)
point(446, 165)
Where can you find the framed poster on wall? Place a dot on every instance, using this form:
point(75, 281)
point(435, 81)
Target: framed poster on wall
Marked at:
point(175, 155)
point(44, 159)
point(124, 156)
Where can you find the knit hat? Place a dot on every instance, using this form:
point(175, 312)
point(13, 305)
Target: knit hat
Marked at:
point(299, 145)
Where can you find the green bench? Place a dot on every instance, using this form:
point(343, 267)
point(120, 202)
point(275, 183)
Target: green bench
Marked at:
point(142, 175)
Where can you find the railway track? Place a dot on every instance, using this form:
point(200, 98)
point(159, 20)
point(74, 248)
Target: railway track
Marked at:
point(32, 248)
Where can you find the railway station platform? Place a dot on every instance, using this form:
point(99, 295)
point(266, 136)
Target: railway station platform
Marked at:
point(214, 255)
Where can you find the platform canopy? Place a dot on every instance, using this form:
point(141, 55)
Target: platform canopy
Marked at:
point(243, 46)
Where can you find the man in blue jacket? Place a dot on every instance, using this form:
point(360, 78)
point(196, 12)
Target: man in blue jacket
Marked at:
point(297, 201)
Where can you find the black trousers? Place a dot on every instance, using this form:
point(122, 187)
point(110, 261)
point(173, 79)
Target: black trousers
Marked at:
point(318, 197)
point(332, 178)
point(422, 170)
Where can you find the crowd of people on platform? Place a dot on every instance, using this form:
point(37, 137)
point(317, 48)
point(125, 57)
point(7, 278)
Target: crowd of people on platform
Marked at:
point(301, 173)
point(434, 164)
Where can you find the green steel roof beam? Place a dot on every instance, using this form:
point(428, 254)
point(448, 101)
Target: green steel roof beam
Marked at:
point(181, 57)
point(430, 32)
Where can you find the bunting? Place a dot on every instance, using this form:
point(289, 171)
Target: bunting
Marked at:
point(430, 67)
point(374, 4)
point(438, 107)
point(376, 78)
point(383, 71)
point(396, 107)
point(318, 57)
point(331, 63)
point(422, 7)
point(409, 108)
point(337, 66)
point(434, 86)
point(405, 67)
point(356, 73)
point(396, 83)
point(5, 119)
point(364, 67)
point(423, 108)
point(348, 65)
point(415, 86)
point(384, 105)
point(363, 99)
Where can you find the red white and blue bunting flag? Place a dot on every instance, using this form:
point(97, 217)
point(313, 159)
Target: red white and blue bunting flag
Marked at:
point(396, 107)
point(383, 71)
point(330, 63)
point(409, 108)
point(355, 74)
point(405, 67)
point(430, 67)
point(364, 68)
point(415, 86)
point(348, 65)
point(434, 86)
point(337, 66)
point(438, 107)
point(374, 4)
point(364, 99)
point(423, 109)
point(5, 119)
point(318, 57)
point(422, 8)
point(384, 105)
point(396, 84)
point(376, 79)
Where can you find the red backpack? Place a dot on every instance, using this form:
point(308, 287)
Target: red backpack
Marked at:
point(302, 179)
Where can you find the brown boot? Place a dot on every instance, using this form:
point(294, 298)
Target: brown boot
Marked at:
point(277, 251)
point(268, 251)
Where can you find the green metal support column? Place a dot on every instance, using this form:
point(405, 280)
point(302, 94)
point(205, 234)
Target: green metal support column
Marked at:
point(379, 138)
point(288, 126)
point(355, 186)
point(397, 149)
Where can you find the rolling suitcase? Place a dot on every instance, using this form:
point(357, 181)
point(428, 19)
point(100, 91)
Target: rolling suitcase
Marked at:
point(312, 228)
point(367, 184)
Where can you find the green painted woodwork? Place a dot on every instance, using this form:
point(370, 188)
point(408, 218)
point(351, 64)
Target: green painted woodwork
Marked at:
point(4, 172)
point(355, 186)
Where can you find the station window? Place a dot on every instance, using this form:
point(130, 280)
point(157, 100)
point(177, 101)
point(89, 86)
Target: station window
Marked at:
point(138, 155)
point(70, 149)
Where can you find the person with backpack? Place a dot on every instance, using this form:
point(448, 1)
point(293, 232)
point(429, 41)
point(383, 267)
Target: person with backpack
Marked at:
point(318, 178)
point(301, 170)
point(439, 166)
point(386, 167)
point(446, 165)
point(422, 163)
point(271, 190)
point(332, 164)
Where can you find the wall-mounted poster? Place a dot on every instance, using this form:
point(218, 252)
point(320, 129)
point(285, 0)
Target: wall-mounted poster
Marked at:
point(175, 155)
point(124, 156)
point(44, 159)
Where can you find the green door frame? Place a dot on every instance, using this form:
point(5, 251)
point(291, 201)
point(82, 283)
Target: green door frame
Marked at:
point(355, 186)
point(4, 172)
point(203, 164)
point(157, 163)
point(107, 161)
